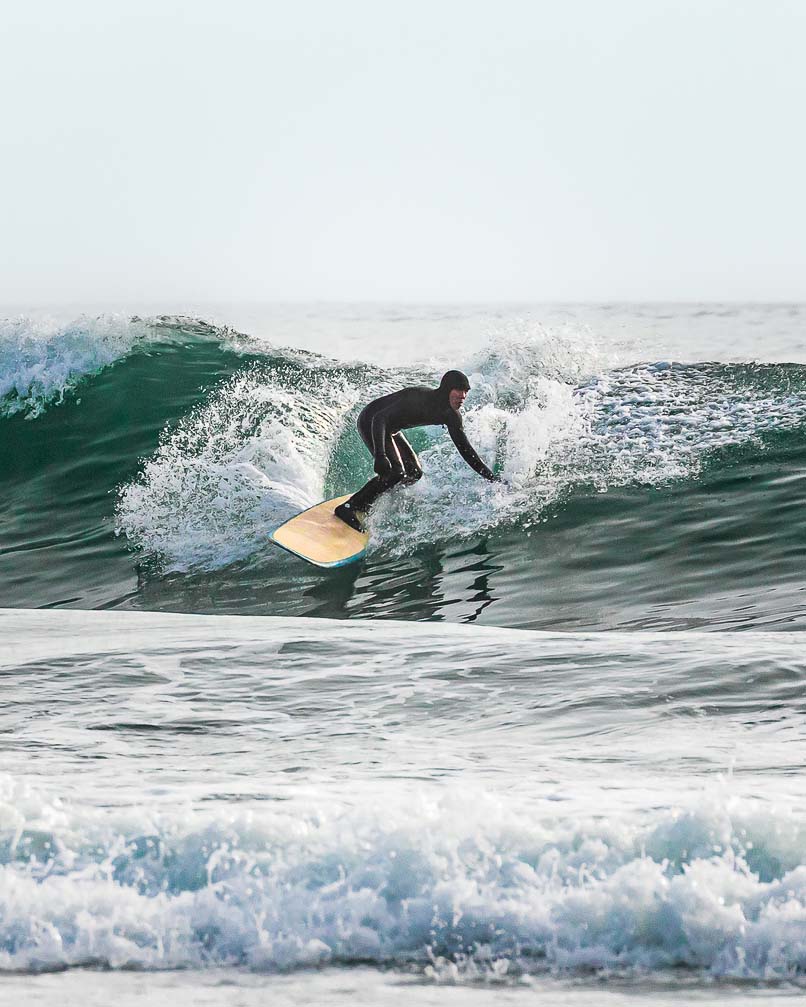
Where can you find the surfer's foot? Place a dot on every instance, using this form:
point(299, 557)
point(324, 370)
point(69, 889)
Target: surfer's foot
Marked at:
point(354, 518)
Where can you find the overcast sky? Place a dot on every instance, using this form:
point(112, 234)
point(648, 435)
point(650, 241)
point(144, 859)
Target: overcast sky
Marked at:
point(421, 150)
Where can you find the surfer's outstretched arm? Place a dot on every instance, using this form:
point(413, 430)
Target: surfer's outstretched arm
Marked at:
point(459, 437)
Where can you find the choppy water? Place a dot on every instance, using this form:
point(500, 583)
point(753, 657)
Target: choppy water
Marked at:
point(494, 805)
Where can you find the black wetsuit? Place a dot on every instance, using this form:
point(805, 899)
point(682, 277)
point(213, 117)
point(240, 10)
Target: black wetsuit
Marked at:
point(380, 424)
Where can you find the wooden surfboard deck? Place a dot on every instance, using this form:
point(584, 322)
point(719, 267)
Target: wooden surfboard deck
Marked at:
point(318, 536)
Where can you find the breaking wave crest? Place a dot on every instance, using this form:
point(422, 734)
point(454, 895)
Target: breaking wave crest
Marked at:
point(200, 440)
point(280, 436)
point(465, 886)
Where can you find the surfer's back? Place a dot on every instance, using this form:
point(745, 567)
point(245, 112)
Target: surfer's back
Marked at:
point(414, 406)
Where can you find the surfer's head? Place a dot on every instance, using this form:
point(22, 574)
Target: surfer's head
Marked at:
point(455, 386)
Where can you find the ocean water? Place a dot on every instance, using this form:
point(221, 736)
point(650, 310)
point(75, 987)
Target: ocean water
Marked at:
point(546, 742)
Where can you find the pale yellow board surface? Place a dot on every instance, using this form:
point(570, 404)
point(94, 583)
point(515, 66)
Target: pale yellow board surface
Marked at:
point(320, 537)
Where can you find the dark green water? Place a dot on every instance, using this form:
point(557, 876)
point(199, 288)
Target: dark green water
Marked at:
point(674, 501)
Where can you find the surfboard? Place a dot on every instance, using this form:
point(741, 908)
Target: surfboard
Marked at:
point(318, 536)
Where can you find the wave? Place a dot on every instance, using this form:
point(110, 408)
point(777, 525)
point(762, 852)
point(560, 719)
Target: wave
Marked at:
point(43, 361)
point(191, 441)
point(459, 886)
point(277, 438)
point(576, 818)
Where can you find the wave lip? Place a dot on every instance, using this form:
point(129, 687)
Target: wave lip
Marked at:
point(41, 361)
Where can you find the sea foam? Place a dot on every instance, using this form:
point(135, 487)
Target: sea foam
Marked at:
point(41, 359)
point(465, 882)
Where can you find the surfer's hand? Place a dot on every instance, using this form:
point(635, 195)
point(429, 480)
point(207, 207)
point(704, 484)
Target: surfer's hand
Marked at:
point(383, 466)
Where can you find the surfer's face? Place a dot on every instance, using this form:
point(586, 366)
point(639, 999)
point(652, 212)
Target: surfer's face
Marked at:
point(456, 397)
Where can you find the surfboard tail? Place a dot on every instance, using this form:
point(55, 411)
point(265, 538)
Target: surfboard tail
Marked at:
point(319, 537)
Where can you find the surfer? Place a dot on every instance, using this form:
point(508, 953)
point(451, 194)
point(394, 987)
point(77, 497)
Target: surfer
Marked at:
point(380, 423)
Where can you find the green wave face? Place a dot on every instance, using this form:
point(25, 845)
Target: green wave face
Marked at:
point(143, 464)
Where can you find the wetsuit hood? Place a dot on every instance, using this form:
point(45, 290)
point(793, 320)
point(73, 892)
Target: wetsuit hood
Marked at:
point(451, 380)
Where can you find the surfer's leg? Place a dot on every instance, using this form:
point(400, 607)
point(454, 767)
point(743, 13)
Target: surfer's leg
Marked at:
point(364, 498)
point(364, 427)
point(408, 456)
point(367, 495)
point(354, 511)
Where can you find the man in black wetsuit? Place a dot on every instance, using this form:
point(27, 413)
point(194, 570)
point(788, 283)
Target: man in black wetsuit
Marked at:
point(380, 424)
